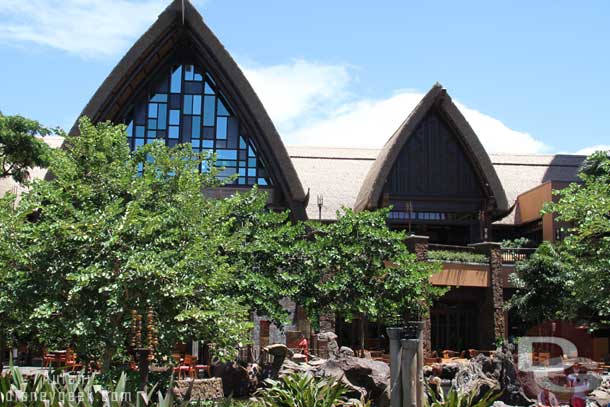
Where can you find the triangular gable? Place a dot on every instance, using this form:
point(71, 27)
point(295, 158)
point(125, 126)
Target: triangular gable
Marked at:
point(371, 190)
point(180, 29)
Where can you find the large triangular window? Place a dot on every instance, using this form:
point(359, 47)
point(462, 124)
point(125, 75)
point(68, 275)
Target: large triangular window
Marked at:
point(185, 106)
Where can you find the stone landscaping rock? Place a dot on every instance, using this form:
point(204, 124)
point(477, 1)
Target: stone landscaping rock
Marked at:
point(235, 378)
point(601, 396)
point(345, 351)
point(200, 389)
point(363, 377)
point(498, 373)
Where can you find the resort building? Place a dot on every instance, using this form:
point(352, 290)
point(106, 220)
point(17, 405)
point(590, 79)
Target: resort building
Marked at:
point(179, 84)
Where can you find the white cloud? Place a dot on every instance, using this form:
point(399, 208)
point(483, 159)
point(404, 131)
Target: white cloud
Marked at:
point(300, 91)
point(89, 28)
point(590, 150)
point(311, 104)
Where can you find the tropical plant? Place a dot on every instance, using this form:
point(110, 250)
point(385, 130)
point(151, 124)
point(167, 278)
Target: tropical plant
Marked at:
point(457, 398)
point(301, 390)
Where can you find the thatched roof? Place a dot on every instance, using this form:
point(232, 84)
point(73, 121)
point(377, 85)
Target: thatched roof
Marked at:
point(337, 174)
point(182, 30)
point(372, 186)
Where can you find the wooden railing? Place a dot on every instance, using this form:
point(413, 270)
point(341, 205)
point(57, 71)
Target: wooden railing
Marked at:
point(514, 255)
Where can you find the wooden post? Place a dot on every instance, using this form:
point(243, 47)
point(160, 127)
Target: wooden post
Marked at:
point(395, 334)
point(409, 372)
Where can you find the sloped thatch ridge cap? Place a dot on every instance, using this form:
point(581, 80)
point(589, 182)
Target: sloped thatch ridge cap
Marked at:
point(370, 191)
point(276, 153)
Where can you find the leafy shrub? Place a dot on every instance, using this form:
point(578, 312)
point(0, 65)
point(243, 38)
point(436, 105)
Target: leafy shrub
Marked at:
point(300, 390)
point(461, 257)
point(457, 398)
point(517, 243)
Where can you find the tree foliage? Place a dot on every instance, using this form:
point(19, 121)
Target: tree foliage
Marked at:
point(20, 149)
point(571, 279)
point(115, 231)
point(359, 266)
point(542, 286)
point(585, 249)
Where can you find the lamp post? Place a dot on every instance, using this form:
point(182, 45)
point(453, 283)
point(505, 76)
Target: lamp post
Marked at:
point(320, 205)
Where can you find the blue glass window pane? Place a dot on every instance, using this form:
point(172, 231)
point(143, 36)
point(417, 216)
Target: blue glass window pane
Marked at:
point(176, 86)
point(221, 128)
point(140, 131)
point(208, 133)
point(208, 143)
point(251, 162)
point(222, 110)
point(130, 129)
point(162, 120)
point(226, 154)
point(186, 129)
point(209, 110)
point(196, 143)
point(151, 134)
point(251, 152)
point(208, 89)
point(198, 77)
point(159, 98)
point(197, 104)
point(139, 142)
point(242, 172)
point(188, 104)
point(252, 172)
point(174, 117)
point(241, 181)
point(152, 110)
point(194, 88)
point(242, 143)
point(152, 124)
point(174, 132)
point(174, 101)
point(262, 181)
point(189, 71)
point(196, 128)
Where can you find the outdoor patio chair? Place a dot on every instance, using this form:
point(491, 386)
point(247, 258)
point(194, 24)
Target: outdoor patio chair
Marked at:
point(185, 369)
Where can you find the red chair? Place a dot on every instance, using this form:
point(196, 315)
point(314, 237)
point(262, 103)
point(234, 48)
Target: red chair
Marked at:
point(203, 368)
point(186, 368)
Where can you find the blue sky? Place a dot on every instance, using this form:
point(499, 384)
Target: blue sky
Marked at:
point(530, 76)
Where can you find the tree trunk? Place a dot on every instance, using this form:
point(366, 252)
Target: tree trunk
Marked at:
point(362, 333)
point(2, 346)
point(107, 359)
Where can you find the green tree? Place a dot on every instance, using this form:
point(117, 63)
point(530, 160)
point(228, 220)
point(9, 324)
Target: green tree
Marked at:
point(542, 286)
point(20, 150)
point(585, 249)
point(358, 267)
point(113, 232)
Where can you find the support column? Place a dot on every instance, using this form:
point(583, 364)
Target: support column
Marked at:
point(419, 246)
point(495, 291)
point(409, 372)
point(394, 335)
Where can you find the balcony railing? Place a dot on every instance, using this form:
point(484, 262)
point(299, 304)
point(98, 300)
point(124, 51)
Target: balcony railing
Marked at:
point(514, 255)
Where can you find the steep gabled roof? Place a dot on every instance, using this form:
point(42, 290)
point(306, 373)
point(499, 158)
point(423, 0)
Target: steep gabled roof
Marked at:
point(165, 37)
point(371, 189)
